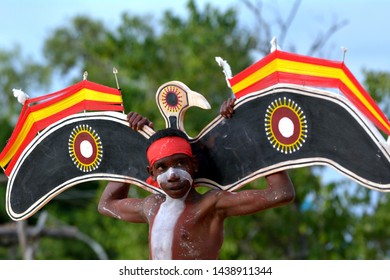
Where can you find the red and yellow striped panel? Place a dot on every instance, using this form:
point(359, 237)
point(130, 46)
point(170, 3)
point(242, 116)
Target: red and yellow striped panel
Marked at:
point(283, 67)
point(40, 112)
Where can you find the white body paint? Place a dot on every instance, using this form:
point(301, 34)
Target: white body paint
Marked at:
point(165, 221)
point(163, 228)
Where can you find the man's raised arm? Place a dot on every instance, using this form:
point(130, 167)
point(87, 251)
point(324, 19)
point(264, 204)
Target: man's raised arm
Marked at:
point(115, 203)
point(280, 191)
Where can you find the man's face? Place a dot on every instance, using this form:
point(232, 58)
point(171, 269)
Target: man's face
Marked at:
point(174, 174)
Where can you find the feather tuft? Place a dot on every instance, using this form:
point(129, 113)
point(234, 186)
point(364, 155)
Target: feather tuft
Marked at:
point(20, 95)
point(274, 45)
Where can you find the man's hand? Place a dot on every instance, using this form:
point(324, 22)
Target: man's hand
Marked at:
point(137, 122)
point(226, 109)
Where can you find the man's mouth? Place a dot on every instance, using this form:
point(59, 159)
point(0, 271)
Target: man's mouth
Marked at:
point(175, 186)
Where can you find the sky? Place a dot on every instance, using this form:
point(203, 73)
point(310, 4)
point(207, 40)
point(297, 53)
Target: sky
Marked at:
point(29, 22)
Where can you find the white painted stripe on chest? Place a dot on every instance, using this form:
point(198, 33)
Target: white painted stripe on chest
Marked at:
point(163, 228)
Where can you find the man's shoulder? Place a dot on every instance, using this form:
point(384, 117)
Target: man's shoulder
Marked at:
point(213, 195)
point(151, 204)
point(155, 198)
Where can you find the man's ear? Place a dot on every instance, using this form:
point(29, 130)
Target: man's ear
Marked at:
point(150, 171)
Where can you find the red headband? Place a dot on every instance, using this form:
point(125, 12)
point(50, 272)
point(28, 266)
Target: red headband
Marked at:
point(167, 146)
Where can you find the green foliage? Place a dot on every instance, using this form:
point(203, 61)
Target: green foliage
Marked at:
point(326, 221)
point(181, 49)
point(17, 71)
point(306, 229)
point(378, 85)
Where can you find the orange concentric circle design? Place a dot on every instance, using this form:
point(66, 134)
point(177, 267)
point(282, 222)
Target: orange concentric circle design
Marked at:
point(286, 125)
point(172, 98)
point(85, 148)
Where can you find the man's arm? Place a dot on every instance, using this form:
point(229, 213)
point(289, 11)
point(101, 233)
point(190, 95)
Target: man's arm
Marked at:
point(280, 191)
point(115, 203)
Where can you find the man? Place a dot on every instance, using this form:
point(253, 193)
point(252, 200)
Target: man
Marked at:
point(184, 224)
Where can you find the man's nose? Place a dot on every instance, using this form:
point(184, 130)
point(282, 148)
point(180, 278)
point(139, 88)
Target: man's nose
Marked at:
point(172, 175)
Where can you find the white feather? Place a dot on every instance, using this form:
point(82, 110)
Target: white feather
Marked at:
point(225, 68)
point(274, 45)
point(20, 95)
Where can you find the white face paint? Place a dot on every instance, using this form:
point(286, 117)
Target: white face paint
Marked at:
point(182, 174)
point(165, 221)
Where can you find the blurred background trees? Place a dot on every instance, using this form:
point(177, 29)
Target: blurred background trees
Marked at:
point(328, 220)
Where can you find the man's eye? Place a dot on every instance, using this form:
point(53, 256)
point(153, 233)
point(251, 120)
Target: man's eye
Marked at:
point(161, 168)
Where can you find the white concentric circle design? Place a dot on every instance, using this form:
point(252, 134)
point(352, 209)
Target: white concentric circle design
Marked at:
point(286, 125)
point(85, 148)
